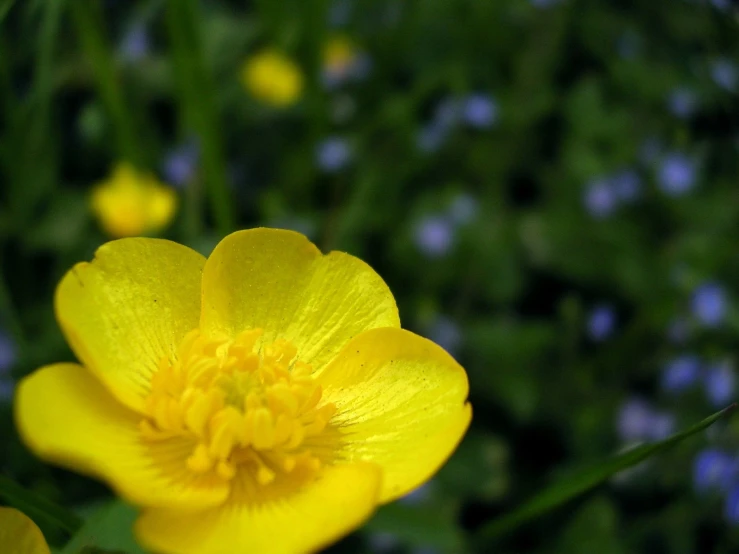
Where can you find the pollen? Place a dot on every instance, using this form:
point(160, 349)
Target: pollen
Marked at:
point(246, 405)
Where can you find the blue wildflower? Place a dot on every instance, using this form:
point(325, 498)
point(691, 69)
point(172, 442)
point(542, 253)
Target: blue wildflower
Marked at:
point(634, 419)
point(445, 332)
point(713, 469)
point(709, 304)
point(479, 110)
point(431, 137)
point(662, 426)
point(417, 496)
point(181, 163)
point(7, 353)
point(463, 209)
point(448, 112)
point(600, 199)
point(626, 185)
point(601, 322)
point(682, 102)
point(434, 235)
point(677, 174)
point(731, 504)
point(135, 44)
point(724, 73)
point(333, 154)
point(382, 542)
point(720, 382)
point(681, 373)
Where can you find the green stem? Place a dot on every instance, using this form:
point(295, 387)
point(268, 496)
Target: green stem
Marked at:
point(197, 105)
point(37, 507)
point(90, 28)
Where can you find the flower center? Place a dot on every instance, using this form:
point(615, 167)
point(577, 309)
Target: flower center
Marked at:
point(244, 405)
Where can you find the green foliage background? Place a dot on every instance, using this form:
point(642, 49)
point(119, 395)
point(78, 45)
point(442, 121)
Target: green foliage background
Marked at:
point(580, 87)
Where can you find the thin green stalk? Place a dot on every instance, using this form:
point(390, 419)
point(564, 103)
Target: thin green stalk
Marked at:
point(38, 507)
point(197, 105)
point(568, 488)
point(91, 31)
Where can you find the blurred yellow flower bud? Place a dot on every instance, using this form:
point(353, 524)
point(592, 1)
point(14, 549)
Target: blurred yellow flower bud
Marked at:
point(19, 534)
point(131, 203)
point(273, 78)
point(339, 54)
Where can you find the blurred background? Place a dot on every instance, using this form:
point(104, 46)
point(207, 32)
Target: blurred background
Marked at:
point(549, 187)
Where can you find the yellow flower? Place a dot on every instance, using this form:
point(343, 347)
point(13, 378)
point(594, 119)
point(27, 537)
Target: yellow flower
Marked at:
point(262, 400)
point(132, 203)
point(19, 534)
point(339, 57)
point(273, 78)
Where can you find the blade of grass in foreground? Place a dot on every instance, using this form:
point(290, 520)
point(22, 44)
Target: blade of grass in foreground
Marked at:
point(583, 481)
point(37, 507)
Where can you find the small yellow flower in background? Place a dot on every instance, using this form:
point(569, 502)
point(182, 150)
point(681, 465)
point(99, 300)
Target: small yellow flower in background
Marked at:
point(19, 534)
point(131, 203)
point(273, 78)
point(262, 400)
point(340, 56)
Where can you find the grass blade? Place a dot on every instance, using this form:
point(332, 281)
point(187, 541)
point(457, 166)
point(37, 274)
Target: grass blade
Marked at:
point(583, 481)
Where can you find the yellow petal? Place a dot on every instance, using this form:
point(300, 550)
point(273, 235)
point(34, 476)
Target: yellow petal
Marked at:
point(401, 404)
point(128, 308)
point(64, 415)
point(279, 281)
point(304, 521)
point(19, 534)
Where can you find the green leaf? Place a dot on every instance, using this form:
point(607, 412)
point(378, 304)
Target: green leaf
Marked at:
point(38, 508)
point(585, 480)
point(109, 529)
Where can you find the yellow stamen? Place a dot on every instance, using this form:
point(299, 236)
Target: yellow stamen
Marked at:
point(247, 407)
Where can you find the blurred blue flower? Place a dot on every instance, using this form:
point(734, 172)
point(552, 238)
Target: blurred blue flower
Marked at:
point(181, 163)
point(417, 496)
point(463, 208)
point(135, 44)
point(333, 154)
point(7, 360)
point(713, 469)
point(634, 421)
point(662, 426)
point(446, 333)
point(7, 353)
point(709, 304)
point(677, 174)
point(682, 102)
point(626, 185)
point(434, 235)
point(600, 198)
point(382, 542)
point(724, 73)
point(431, 137)
point(731, 504)
point(448, 112)
point(678, 330)
point(681, 373)
point(720, 382)
point(479, 111)
point(601, 322)
point(721, 5)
